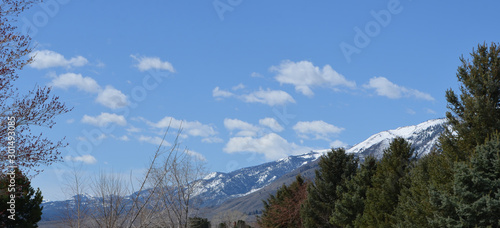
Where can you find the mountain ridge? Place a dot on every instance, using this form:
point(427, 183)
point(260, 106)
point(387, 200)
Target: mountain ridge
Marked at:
point(220, 191)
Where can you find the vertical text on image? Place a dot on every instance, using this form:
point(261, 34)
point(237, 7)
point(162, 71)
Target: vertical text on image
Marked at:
point(11, 156)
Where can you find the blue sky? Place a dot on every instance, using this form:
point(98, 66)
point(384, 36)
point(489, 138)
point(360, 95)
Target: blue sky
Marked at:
point(251, 81)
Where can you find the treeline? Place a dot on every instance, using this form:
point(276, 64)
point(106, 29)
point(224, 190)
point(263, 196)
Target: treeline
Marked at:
point(456, 185)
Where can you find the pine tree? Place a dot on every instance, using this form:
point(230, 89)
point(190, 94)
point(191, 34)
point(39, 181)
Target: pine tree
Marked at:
point(335, 169)
point(382, 198)
point(283, 208)
point(15, 189)
point(197, 222)
point(414, 207)
point(475, 200)
point(475, 113)
point(352, 202)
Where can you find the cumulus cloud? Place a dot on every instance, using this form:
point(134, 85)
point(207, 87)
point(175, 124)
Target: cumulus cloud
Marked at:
point(271, 123)
point(87, 159)
point(68, 80)
point(384, 87)
point(108, 97)
point(112, 98)
point(243, 128)
point(155, 63)
point(271, 145)
point(45, 59)
point(304, 76)
point(268, 97)
point(104, 119)
point(316, 129)
point(190, 128)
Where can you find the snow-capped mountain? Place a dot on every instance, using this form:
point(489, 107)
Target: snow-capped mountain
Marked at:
point(226, 191)
point(215, 188)
point(423, 138)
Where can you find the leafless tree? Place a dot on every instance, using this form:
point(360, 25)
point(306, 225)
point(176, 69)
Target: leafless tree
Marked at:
point(77, 209)
point(164, 197)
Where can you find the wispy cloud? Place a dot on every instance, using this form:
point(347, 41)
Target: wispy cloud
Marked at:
point(384, 87)
point(189, 128)
point(145, 63)
point(104, 119)
point(268, 96)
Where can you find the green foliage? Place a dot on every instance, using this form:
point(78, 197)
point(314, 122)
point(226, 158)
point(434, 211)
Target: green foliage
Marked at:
point(351, 204)
point(388, 180)
point(197, 222)
point(283, 209)
point(475, 200)
point(335, 169)
point(26, 200)
point(475, 113)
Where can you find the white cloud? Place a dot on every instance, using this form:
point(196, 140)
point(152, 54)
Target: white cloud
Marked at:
point(153, 140)
point(243, 128)
point(191, 128)
point(318, 129)
point(133, 129)
point(304, 76)
point(238, 87)
point(109, 96)
point(271, 145)
point(271, 123)
point(112, 98)
point(384, 87)
point(87, 159)
point(124, 138)
point(410, 111)
point(46, 59)
point(256, 75)
point(148, 63)
point(269, 97)
point(105, 119)
point(338, 144)
point(196, 155)
point(68, 80)
point(212, 140)
point(218, 93)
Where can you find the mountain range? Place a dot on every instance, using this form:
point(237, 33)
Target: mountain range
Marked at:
point(244, 189)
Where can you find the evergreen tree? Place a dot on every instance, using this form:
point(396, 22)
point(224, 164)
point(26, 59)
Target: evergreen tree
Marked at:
point(352, 202)
point(283, 209)
point(335, 169)
point(414, 207)
point(475, 113)
point(16, 190)
point(475, 200)
point(382, 198)
point(197, 222)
